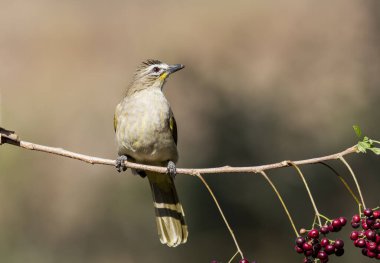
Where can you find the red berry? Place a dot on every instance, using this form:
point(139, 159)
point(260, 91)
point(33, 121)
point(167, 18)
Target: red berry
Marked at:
point(370, 221)
point(314, 233)
point(368, 212)
point(308, 253)
point(354, 235)
point(330, 249)
point(371, 246)
point(361, 243)
point(376, 214)
point(324, 242)
point(355, 225)
point(336, 223)
point(377, 239)
point(322, 255)
point(324, 229)
point(343, 221)
point(300, 241)
point(371, 254)
point(298, 249)
point(338, 244)
point(356, 219)
point(307, 246)
point(244, 261)
point(370, 234)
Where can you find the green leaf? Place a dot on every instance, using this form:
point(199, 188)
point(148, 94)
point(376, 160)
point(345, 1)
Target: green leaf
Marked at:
point(358, 131)
point(375, 150)
point(361, 148)
point(365, 145)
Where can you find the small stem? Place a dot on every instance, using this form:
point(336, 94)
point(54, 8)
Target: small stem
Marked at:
point(360, 209)
point(343, 181)
point(281, 200)
point(314, 221)
point(355, 180)
point(324, 217)
point(308, 191)
point(350, 190)
point(237, 252)
point(221, 213)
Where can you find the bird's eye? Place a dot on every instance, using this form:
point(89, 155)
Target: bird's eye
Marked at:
point(156, 69)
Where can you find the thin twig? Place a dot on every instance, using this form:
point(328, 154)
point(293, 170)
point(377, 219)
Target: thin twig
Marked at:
point(237, 252)
point(281, 200)
point(325, 218)
point(314, 221)
point(343, 181)
point(221, 213)
point(355, 180)
point(13, 140)
point(308, 191)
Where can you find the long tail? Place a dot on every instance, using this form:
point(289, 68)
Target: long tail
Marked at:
point(170, 218)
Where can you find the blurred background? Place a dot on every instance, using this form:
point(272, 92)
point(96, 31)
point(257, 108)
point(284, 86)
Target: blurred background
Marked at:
point(265, 81)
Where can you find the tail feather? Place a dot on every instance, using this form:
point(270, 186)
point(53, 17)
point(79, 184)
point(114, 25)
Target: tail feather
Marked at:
point(170, 217)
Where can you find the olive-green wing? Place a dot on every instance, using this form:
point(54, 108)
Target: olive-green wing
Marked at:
point(173, 127)
point(116, 116)
point(114, 122)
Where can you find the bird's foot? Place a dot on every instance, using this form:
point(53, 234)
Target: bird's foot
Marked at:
point(120, 163)
point(171, 169)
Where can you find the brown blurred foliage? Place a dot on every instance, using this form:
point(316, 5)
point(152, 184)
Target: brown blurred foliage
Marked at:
point(264, 81)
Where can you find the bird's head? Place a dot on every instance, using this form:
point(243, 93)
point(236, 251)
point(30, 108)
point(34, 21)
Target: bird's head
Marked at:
point(152, 74)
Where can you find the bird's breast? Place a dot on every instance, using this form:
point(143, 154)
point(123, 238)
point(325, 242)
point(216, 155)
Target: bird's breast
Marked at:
point(143, 127)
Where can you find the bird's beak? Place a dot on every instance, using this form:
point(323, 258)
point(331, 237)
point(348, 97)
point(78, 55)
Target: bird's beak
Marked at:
point(174, 68)
point(171, 69)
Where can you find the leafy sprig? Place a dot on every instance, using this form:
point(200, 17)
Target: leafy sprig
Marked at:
point(366, 143)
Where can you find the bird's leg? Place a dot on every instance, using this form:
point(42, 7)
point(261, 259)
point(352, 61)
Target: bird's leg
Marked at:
point(120, 163)
point(171, 169)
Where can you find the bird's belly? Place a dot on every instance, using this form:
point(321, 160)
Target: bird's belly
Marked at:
point(146, 137)
point(145, 149)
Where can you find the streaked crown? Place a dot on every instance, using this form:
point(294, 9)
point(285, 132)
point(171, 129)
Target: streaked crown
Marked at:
point(150, 67)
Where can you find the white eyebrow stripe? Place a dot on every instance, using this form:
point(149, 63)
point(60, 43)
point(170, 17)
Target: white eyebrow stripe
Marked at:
point(164, 66)
point(147, 70)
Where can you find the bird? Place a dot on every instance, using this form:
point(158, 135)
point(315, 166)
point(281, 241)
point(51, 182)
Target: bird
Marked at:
point(146, 133)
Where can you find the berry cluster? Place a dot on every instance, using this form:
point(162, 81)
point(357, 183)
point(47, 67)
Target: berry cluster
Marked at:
point(367, 239)
point(315, 247)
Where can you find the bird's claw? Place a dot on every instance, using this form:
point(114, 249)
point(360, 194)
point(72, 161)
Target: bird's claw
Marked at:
point(171, 169)
point(120, 163)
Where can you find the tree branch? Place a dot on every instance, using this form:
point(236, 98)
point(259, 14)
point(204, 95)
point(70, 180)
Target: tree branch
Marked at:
point(10, 137)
